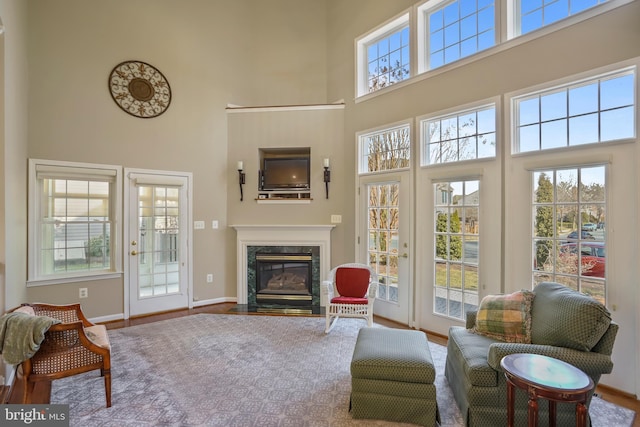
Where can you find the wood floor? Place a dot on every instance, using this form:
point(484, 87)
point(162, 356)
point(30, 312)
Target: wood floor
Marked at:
point(42, 394)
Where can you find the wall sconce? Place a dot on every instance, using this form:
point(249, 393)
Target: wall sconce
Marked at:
point(241, 177)
point(327, 176)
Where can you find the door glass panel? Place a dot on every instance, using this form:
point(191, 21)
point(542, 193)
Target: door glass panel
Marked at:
point(569, 233)
point(159, 236)
point(383, 253)
point(456, 247)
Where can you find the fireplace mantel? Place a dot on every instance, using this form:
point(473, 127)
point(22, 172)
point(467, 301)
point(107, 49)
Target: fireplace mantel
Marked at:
point(280, 235)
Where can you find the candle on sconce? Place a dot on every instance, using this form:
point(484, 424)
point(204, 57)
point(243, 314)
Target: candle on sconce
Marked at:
point(240, 165)
point(326, 162)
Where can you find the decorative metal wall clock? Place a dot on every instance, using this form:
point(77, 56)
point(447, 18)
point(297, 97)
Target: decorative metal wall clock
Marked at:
point(139, 89)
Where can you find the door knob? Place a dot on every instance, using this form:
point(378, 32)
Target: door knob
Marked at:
point(133, 243)
point(404, 255)
point(134, 252)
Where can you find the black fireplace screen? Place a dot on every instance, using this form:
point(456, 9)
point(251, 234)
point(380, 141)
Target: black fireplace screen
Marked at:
point(284, 277)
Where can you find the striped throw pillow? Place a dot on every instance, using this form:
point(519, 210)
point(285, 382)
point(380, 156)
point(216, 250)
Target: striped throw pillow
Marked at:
point(506, 317)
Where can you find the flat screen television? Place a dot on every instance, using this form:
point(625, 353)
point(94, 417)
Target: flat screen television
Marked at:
point(289, 173)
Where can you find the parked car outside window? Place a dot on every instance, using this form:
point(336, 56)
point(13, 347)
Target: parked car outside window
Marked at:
point(592, 257)
point(584, 235)
point(589, 226)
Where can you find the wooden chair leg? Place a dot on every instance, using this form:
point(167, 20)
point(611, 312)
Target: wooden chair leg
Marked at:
point(107, 385)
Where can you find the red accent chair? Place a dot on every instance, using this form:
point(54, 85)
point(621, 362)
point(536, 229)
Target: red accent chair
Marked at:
point(350, 292)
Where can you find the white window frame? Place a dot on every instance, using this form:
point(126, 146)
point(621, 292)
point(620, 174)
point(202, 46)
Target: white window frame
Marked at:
point(362, 43)
point(71, 170)
point(455, 112)
point(506, 37)
point(517, 16)
point(594, 75)
point(363, 152)
point(422, 32)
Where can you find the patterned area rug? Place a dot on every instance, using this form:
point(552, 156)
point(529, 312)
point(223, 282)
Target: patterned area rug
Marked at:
point(234, 370)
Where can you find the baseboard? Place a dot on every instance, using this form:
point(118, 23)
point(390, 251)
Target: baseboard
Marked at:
point(109, 318)
point(221, 300)
point(603, 388)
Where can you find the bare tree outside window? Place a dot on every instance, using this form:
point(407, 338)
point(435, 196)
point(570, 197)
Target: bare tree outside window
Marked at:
point(458, 137)
point(383, 240)
point(388, 150)
point(388, 60)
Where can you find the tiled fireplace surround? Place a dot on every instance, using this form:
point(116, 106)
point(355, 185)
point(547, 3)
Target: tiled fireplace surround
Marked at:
point(252, 239)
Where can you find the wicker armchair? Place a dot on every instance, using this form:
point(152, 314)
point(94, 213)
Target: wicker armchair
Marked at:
point(72, 347)
point(350, 292)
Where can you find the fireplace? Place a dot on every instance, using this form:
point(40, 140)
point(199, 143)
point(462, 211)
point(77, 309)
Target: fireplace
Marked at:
point(308, 240)
point(284, 278)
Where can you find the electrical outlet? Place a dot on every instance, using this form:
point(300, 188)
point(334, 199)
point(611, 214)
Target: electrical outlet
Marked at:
point(209, 278)
point(214, 224)
point(83, 293)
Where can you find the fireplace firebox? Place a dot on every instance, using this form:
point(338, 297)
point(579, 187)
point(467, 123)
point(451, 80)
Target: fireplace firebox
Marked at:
point(284, 278)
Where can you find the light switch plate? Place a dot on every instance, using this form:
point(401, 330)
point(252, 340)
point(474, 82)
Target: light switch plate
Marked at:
point(198, 225)
point(336, 219)
point(214, 224)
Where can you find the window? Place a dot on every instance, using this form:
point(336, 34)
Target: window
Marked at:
point(456, 241)
point(386, 149)
point(384, 56)
point(569, 226)
point(446, 32)
point(73, 218)
point(586, 112)
point(459, 136)
point(536, 14)
point(457, 29)
point(388, 60)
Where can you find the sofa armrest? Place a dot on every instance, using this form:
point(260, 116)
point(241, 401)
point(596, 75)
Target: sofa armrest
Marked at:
point(591, 363)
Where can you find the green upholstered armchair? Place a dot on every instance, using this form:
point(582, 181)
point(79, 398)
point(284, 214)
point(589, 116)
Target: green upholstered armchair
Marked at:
point(565, 324)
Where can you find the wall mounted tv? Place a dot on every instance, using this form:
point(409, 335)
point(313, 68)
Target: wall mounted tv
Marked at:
point(285, 173)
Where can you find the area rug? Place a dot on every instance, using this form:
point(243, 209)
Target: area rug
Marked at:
point(242, 370)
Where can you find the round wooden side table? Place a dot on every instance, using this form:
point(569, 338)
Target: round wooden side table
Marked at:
point(547, 378)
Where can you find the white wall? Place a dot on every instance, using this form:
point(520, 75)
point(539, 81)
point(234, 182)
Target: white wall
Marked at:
point(15, 105)
point(212, 52)
point(319, 128)
point(13, 145)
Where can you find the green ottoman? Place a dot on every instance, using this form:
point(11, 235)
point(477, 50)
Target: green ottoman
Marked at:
point(392, 377)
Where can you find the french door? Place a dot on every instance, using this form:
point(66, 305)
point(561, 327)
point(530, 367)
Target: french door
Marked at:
point(158, 252)
point(385, 241)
